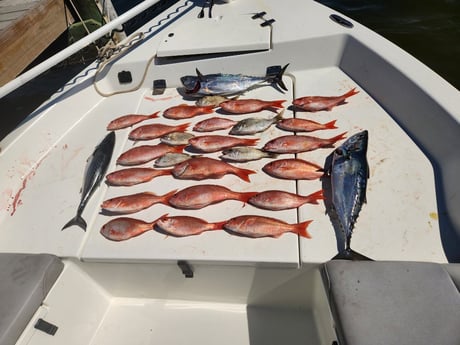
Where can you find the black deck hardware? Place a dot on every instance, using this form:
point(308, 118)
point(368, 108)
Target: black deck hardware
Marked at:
point(125, 77)
point(185, 268)
point(159, 86)
point(341, 21)
point(267, 22)
point(46, 327)
point(259, 15)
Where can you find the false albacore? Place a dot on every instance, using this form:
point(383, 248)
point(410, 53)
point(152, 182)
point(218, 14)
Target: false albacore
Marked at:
point(349, 173)
point(229, 84)
point(96, 168)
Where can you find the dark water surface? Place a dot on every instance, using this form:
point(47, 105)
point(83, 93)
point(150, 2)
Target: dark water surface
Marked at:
point(427, 29)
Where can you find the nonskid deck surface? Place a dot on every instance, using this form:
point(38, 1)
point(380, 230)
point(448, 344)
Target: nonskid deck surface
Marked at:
point(400, 188)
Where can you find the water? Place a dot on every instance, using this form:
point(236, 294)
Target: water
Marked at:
point(427, 29)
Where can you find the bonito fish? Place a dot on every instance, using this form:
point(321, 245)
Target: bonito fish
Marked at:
point(317, 103)
point(349, 174)
point(304, 125)
point(259, 226)
point(124, 228)
point(146, 153)
point(228, 84)
point(199, 196)
point(129, 120)
point(200, 168)
point(245, 154)
point(181, 226)
point(156, 130)
point(214, 124)
point(293, 169)
point(133, 176)
point(277, 200)
point(186, 111)
point(245, 106)
point(135, 202)
point(96, 167)
point(214, 143)
point(299, 143)
point(254, 125)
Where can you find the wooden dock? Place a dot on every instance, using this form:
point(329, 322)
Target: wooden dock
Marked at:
point(27, 28)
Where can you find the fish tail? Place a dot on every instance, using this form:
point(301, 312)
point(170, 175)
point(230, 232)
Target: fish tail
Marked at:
point(350, 254)
point(219, 225)
point(165, 198)
point(208, 109)
point(301, 229)
point(278, 78)
point(314, 197)
point(154, 115)
point(179, 148)
point(244, 173)
point(277, 103)
point(245, 196)
point(183, 127)
point(78, 221)
point(337, 138)
point(330, 125)
point(251, 142)
point(152, 224)
point(350, 93)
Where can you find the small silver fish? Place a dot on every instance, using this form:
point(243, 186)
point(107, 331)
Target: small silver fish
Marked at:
point(245, 154)
point(349, 173)
point(228, 84)
point(96, 168)
point(211, 100)
point(176, 138)
point(171, 159)
point(254, 125)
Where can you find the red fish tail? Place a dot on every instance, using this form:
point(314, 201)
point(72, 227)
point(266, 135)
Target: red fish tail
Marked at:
point(244, 174)
point(337, 138)
point(314, 197)
point(250, 142)
point(301, 229)
point(350, 93)
point(218, 225)
point(183, 127)
point(208, 109)
point(330, 125)
point(154, 115)
point(277, 103)
point(245, 196)
point(165, 198)
point(164, 172)
point(178, 148)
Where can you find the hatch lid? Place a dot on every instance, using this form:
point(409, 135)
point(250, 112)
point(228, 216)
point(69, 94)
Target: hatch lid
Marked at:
point(222, 34)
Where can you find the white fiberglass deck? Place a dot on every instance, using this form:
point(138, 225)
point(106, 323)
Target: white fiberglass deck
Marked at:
point(401, 187)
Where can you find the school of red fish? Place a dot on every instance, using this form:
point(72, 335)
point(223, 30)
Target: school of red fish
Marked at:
point(182, 154)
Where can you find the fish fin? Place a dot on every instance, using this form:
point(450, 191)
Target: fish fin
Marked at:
point(219, 225)
point(152, 224)
point(183, 127)
point(330, 125)
point(350, 93)
point(245, 196)
point(199, 74)
point(165, 198)
point(209, 109)
point(277, 103)
point(251, 142)
point(337, 138)
point(154, 115)
point(78, 221)
point(350, 254)
point(278, 79)
point(244, 174)
point(314, 197)
point(179, 148)
point(301, 229)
